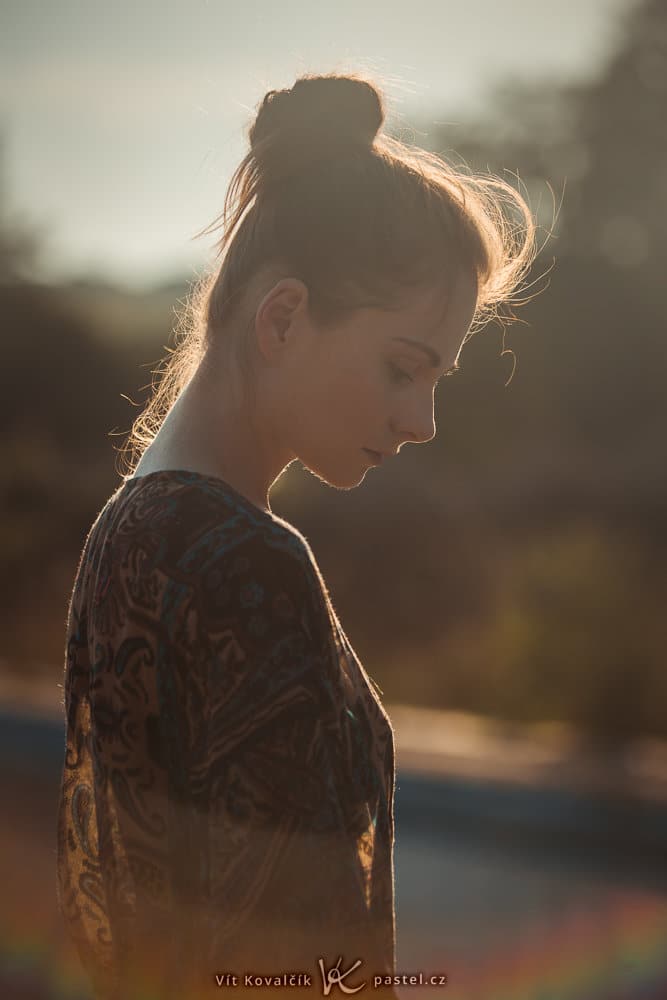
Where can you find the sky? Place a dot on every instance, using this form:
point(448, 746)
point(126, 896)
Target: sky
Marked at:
point(122, 123)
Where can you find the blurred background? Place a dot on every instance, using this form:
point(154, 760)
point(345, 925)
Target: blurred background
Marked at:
point(505, 584)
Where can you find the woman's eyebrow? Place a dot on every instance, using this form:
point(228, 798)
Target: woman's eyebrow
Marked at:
point(435, 358)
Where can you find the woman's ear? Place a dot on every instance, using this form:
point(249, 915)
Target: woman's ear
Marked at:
point(278, 316)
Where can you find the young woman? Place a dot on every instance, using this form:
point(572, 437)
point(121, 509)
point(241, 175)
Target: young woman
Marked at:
point(227, 795)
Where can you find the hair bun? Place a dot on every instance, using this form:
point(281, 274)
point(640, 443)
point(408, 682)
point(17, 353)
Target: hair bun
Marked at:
point(317, 111)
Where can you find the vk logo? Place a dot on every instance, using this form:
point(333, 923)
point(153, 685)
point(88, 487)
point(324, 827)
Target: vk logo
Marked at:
point(335, 977)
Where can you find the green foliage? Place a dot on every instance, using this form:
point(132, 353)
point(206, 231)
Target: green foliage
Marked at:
point(575, 635)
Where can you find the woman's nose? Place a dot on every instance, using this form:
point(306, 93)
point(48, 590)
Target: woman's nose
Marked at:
point(418, 425)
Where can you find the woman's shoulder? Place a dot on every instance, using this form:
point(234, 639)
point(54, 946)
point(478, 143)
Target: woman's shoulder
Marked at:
point(187, 523)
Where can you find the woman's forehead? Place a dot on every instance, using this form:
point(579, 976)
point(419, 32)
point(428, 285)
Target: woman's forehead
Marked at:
point(438, 310)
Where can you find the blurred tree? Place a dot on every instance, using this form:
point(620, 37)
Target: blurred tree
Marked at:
point(619, 207)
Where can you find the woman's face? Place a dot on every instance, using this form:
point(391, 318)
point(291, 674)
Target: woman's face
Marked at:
point(364, 385)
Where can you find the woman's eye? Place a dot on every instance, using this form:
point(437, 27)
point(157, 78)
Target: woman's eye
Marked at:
point(398, 375)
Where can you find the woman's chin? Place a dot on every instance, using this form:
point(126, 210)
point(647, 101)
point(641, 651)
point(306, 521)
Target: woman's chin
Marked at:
point(338, 478)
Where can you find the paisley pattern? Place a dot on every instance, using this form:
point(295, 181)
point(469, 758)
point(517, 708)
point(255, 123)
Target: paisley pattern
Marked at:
point(227, 794)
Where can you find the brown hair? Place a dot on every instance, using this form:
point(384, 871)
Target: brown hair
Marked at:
point(360, 217)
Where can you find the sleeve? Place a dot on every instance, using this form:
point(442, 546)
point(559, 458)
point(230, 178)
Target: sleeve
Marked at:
point(271, 780)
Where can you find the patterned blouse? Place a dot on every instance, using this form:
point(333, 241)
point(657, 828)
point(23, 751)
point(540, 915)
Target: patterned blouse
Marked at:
point(227, 798)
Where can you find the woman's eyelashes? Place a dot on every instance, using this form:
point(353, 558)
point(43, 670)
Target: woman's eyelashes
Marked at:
point(401, 377)
point(398, 375)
